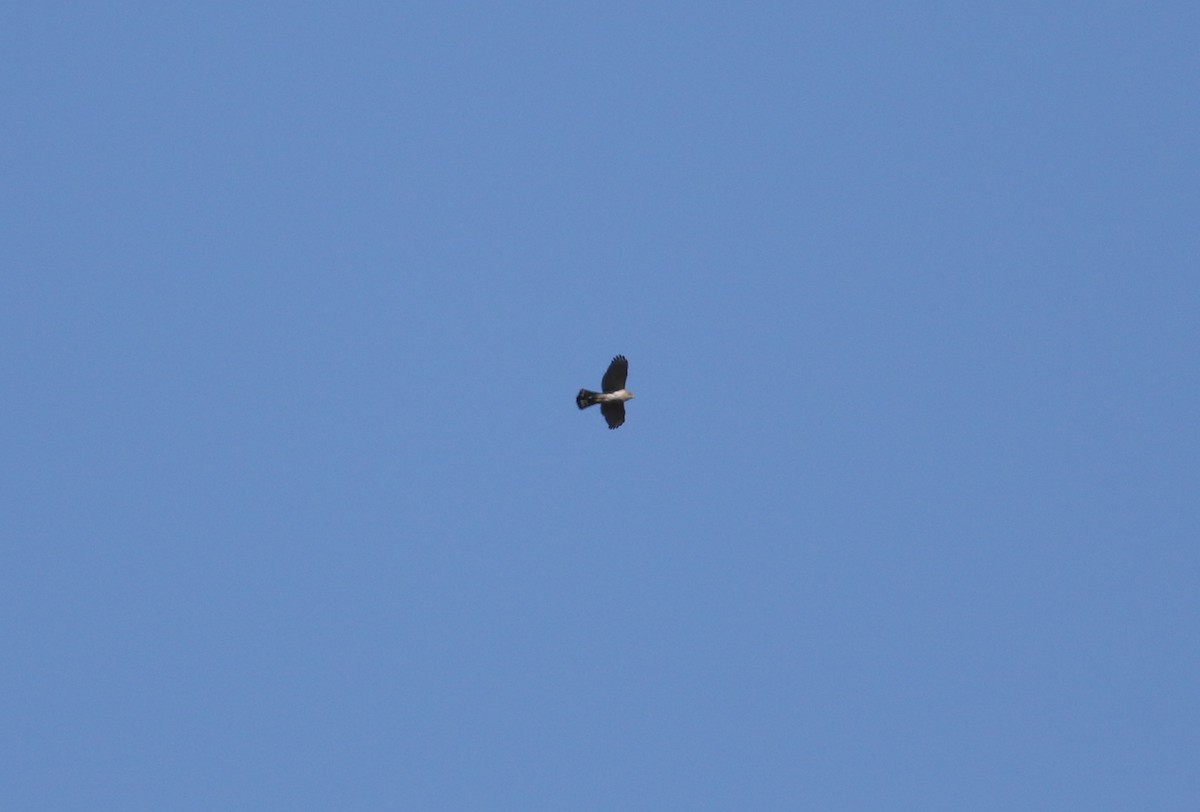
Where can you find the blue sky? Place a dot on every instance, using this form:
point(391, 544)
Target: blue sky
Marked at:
point(298, 510)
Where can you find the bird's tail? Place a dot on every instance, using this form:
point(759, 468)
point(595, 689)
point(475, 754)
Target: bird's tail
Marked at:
point(586, 398)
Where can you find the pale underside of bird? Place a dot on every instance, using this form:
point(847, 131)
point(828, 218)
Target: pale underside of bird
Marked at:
point(612, 398)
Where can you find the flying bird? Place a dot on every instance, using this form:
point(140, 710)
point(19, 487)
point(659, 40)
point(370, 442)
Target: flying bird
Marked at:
point(612, 399)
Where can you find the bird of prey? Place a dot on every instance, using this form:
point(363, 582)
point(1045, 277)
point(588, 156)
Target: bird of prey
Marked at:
point(612, 399)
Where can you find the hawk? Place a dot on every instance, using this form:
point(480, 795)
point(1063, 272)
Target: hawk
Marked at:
point(612, 399)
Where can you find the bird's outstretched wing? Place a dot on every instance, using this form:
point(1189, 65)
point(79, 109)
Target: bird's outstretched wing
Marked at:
point(614, 379)
point(614, 413)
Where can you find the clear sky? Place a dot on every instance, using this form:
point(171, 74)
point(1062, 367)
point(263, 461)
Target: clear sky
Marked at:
point(298, 511)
